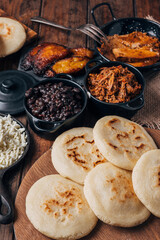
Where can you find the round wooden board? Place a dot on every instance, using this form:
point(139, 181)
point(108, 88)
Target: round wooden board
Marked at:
point(43, 166)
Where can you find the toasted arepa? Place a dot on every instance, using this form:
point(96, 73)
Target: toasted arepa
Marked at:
point(58, 209)
point(74, 153)
point(12, 36)
point(146, 180)
point(121, 141)
point(109, 192)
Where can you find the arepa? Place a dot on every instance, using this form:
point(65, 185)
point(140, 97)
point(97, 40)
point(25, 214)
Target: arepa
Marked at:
point(121, 141)
point(58, 209)
point(74, 153)
point(109, 192)
point(12, 36)
point(146, 180)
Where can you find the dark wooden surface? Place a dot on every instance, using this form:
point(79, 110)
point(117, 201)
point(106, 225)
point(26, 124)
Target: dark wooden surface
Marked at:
point(70, 13)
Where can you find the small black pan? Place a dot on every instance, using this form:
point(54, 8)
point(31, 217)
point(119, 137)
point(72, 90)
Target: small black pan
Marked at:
point(47, 129)
point(125, 26)
point(127, 109)
point(5, 199)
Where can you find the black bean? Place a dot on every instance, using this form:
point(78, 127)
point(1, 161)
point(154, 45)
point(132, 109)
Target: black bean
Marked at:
point(77, 90)
point(30, 100)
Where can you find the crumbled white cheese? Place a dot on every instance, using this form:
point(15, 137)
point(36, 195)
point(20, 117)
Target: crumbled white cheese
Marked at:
point(13, 141)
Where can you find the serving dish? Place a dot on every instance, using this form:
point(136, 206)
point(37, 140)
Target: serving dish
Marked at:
point(43, 167)
point(47, 128)
point(126, 26)
point(4, 196)
point(127, 109)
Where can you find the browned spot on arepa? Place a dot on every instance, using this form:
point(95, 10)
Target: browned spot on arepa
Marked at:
point(121, 187)
point(75, 147)
point(64, 204)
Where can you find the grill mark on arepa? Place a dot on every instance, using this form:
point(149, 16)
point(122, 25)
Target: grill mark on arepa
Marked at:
point(91, 142)
point(156, 176)
point(137, 138)
point(75, 137)
point(74, 156)
point(122, 135)
point(140, 147)
point(64, 204)
point(127, 151)
point(98, 162)
point(113, 146)
point(113, 121)
point(76, 152)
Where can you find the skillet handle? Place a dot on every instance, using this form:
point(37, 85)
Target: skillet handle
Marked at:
point(95, 62)
point(5, 201)
point(64, 76)
point(45, 130)
point(99, 5)
point(139, 105)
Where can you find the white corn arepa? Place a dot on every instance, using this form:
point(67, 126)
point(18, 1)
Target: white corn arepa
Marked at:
point(12, 36)
point(121, 141)
point(57, 207)
point(74, 153)
point(109, 192)
point(146, 180)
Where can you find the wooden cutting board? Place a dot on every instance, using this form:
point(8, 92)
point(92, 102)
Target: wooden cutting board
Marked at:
point(43, 166)
point(29, 32)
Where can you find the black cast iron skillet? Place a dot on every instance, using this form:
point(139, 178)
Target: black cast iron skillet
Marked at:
point(127, 109)
point(47, 128)
point(125, 26)
point(5, 199)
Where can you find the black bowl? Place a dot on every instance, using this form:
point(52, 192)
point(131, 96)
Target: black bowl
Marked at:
point(125, 26)
point(47, 129)
point(127, 109)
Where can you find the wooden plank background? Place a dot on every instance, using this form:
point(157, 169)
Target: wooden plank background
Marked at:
point(70, 13)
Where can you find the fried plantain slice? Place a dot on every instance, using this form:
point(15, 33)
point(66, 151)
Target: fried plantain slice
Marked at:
point(82, 52)
point(46, 56)
point(70, 65)
point(28, 59)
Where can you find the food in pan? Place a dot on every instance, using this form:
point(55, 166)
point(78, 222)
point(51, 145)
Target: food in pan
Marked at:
point(133, 55)
point(68, 65)
point(45, 56)
point(113, 84)
point(13, 141)
point(12, 36)
point(82, 52)
point(48, 59)
point(54, 101)
point(146, 180)
point(121, 141)
point(136, 48)
point(28, 61)
point(74, 153)
point(58, 209)
point(110, 194)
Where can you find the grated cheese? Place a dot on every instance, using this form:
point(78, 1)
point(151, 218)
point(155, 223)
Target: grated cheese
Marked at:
point(13, 141)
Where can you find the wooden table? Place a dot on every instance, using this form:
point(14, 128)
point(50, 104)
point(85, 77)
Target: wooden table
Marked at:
point(71, 13)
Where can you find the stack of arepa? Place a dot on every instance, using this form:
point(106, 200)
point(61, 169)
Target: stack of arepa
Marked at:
point(101, 159)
